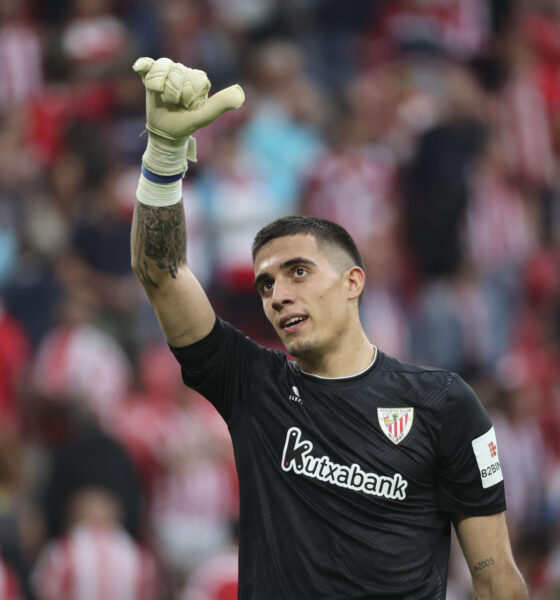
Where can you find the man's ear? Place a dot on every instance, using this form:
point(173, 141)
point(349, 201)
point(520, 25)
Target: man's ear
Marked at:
point(356, 279)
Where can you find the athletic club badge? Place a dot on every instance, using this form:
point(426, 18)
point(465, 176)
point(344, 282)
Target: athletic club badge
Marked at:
point(395, 423)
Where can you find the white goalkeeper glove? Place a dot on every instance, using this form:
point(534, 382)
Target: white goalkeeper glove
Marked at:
point(177, 104)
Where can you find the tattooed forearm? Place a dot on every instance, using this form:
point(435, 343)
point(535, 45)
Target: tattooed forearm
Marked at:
point(483, 564)
point(158, 238)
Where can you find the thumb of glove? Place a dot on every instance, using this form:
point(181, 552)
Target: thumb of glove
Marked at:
point(227, 99)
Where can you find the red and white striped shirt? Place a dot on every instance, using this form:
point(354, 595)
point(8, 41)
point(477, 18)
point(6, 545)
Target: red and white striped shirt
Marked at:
point(499, 229)
point(84, 362)
point(526, 130)
point(21, 74)
point(461, 26)
point(95, 564)
point(353, 188)
point(198, 480)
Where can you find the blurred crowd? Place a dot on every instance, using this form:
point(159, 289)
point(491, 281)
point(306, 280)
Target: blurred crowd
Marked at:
point(430, 129)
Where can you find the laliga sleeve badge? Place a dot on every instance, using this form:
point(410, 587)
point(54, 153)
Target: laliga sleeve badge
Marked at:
point(395, 423)
point(486, 453)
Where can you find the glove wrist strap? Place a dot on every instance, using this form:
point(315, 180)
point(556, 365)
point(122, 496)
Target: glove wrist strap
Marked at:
point(158, 194)
point(155, 178)
point(167, 157)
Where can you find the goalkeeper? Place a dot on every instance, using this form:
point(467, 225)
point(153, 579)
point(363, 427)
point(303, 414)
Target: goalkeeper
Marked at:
point(352, 465)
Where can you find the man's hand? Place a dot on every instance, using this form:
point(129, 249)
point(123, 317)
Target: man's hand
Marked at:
point(177, 104)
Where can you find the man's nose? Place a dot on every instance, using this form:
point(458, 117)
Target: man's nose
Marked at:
point(281, 295)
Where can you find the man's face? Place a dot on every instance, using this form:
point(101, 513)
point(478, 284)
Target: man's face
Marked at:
point(304, 295)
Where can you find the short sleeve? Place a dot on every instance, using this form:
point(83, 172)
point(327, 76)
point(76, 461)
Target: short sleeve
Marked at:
point(470, 479)
point(222, 367)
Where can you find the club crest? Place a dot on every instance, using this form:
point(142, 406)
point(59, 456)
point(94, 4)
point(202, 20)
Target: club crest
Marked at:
point(395, 423)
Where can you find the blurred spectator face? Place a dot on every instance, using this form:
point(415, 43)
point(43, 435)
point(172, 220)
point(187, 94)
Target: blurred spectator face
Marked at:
point(375, 99)
point(158, 372)
point(181, 18)
point(78, 308)
point(10, 9)
point(108, 202)
point(94, 37)
point(91, 8)
point(276, 66)
point(67, 180)
point(94, 507)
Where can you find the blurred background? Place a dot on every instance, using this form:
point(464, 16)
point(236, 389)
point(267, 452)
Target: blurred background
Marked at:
point(430, 129)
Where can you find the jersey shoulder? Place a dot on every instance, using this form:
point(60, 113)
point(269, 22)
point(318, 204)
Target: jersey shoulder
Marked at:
point(414, 375)
point(440, 388)
point(390, 363)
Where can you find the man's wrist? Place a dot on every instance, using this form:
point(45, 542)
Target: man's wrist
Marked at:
point(168, 157)
point(152, 193)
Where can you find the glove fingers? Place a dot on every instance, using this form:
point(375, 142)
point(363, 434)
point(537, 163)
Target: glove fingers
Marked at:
point(218, 104)
point(195, 88)
point(185, 86)
point(155, 78)
point(143, 65)
point(173, 85)
point(176, 83)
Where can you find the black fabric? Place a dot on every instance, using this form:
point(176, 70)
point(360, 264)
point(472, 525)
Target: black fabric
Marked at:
point(105, 245)
point(308, 533)
point(93, 460)
point(435, 192)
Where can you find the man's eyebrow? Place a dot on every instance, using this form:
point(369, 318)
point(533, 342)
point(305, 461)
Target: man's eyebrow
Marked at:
point(299, 260)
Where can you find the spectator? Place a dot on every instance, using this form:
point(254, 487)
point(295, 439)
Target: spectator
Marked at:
point(96, 558)
point(20, 51)
point(195, 498)
point(78, 362)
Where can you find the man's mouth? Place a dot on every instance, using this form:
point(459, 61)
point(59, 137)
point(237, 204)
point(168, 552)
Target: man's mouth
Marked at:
point(292, 324)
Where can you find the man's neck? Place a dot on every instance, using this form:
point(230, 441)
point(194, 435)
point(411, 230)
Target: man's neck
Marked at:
point(347, 359)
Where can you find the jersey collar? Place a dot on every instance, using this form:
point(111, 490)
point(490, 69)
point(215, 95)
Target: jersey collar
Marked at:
point(375, 354)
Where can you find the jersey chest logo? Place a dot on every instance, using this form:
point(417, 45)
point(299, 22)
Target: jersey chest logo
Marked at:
point(395, 423)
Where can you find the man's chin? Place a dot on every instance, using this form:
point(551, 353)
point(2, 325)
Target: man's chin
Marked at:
point(300, 349)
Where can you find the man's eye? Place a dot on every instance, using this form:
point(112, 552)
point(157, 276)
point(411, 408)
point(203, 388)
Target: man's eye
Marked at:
point(300, 272)
point(267, 286)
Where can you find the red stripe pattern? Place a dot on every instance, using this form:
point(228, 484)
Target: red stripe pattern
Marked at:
point(397, 427)
point(96, 564)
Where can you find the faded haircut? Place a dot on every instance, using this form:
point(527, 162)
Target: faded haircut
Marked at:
point(327, 233)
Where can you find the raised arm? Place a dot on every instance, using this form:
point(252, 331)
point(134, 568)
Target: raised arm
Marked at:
point(177, 104)
point(485, 544)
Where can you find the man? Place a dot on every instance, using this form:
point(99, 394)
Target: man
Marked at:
point(351, 465)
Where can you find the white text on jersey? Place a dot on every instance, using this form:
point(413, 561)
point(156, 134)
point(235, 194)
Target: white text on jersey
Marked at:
point(296, 458)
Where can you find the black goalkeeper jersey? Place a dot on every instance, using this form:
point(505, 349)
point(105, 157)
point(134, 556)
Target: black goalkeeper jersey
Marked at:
point(348, 485)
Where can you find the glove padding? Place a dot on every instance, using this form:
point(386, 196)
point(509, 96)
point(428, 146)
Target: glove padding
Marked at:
point(177, 104)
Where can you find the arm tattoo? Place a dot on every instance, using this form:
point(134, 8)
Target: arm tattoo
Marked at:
point(160, 238)
point(483, 564)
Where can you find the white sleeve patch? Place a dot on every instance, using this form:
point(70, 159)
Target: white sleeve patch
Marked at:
point(486, 452)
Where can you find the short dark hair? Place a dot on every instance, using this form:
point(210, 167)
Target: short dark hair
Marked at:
point(323, 230)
